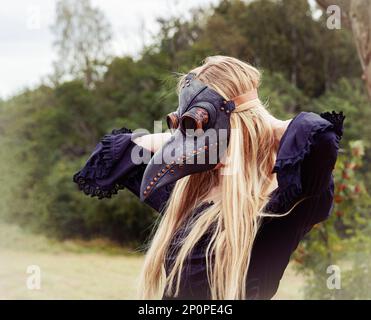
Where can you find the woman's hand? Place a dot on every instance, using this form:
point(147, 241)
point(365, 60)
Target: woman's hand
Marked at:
point(153, 142)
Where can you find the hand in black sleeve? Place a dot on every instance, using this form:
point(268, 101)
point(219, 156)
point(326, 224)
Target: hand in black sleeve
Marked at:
point(317, 170)
point(114, 165)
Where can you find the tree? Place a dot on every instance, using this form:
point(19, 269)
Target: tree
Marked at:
point(356, 14)
point(279, 36)
point(82, 41)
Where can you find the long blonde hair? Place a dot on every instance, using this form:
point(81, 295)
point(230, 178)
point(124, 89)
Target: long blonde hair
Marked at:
point(236, 215)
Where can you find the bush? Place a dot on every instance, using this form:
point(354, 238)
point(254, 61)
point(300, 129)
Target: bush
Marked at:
point(344, 240)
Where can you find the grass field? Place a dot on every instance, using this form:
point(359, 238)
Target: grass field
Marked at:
point(81, 270)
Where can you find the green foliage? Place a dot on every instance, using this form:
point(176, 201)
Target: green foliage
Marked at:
point(280, 36)
point(282, 98)
point(357, 278)
point(344, 239)
point(349, 96)
point(132, 89)
point(47, 137)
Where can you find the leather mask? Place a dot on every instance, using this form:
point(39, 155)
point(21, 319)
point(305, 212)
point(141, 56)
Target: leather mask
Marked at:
point(201, 126)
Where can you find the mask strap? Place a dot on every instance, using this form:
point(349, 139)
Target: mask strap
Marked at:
point(243, 98)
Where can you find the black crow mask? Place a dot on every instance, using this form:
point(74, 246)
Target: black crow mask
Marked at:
point(201, 131)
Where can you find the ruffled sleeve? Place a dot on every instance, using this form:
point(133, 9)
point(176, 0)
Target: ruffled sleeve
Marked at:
point(111, 167)
point(306, 158)
point(305, 161)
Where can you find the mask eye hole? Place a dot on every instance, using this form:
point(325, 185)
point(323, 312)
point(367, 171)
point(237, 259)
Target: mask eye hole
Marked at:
point(195, 119)
point(172, 120)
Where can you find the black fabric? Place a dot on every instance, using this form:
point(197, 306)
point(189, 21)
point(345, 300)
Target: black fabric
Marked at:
point(304, 165)
point(110, 168)
point(194, 282)
point(295, 145)
point(306, 158)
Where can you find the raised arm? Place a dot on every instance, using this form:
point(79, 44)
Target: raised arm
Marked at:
point(311, 178)
point(110, 167)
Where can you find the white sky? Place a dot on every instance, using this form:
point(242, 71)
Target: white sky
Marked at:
point(26, 51)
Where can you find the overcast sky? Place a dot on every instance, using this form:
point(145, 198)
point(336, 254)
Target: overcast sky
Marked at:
point(26, 51)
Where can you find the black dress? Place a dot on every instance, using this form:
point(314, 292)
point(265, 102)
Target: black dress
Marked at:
point(305, 160)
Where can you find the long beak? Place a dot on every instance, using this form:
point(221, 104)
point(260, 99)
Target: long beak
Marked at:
point(179, 157)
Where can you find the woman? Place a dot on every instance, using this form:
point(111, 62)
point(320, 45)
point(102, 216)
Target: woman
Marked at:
point(227, 228)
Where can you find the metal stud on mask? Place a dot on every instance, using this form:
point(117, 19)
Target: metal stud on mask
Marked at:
point(201, 130)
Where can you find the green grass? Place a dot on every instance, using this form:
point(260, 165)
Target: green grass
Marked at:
point(78, 269)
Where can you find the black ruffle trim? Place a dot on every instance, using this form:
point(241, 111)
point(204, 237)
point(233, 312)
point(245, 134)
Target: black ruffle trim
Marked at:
point(99, 166)
point(95, 191)
point(108, 156)
point(337, 120)
point(122, 130)
point(282, 199)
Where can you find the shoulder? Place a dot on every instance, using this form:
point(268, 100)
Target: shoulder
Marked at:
point(311, 123)
point(325, 135)
point(306, 129)
point(309, 135)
